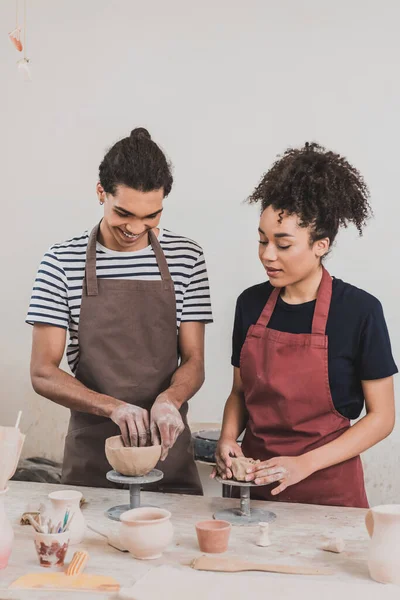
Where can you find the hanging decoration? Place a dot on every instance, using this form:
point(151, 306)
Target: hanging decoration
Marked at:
point(23, 63)
point(15, 38)
point(15, 35)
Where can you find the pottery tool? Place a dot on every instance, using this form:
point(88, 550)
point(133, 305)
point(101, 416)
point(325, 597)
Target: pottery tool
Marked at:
point(61, 582)
point(234, 565)
point(78, 563)
point(134, 484)
point(111, 537)
point(24, 520)
point(244, 515)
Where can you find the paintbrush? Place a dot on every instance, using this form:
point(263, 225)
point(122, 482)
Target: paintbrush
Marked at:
point(67, 526)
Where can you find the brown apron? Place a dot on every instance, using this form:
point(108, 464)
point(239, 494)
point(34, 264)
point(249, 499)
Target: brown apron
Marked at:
point(288, 398)
point(128, 349)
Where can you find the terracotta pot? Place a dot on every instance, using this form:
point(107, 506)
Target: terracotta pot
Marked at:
point(51, 548)
point(383, 525)
point(6, 533)
point(60, 502)
point(131, 461)
point(213, 536)
point(146, 532)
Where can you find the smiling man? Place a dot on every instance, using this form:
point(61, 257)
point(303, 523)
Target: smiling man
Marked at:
point(134, 298)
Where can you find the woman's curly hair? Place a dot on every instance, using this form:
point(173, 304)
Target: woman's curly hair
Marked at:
point(322, 188)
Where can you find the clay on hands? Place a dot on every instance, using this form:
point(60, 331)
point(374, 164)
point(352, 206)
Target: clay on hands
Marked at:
point(240, 465)
point(166, 425)
point(134, 424)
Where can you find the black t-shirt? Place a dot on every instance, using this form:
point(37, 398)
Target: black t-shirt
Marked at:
point(358, 340)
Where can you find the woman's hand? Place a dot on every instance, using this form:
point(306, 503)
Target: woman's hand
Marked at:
point(226, 448)
point(288, 470)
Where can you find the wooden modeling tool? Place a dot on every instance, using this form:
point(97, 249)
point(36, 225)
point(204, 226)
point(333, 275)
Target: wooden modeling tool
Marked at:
point(234, 565)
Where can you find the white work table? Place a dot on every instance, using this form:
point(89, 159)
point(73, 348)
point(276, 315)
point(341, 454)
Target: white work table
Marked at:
point(296, 536)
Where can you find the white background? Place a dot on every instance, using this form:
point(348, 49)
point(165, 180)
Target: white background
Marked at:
point(223, 86)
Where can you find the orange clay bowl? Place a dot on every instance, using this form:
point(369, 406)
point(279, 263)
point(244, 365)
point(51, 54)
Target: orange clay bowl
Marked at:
point(131, 461)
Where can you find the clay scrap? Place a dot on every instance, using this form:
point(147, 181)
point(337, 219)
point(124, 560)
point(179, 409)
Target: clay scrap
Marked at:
point(336, 545)
point(240, 466)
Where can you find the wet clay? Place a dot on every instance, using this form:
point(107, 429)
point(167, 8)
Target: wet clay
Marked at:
point(240, 466)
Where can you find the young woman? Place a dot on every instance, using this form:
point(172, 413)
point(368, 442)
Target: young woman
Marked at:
point(309, 350)
point(135, 299)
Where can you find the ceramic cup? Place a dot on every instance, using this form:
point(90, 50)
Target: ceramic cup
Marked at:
point(213, 536)
point(51, 548)
point(146, 532)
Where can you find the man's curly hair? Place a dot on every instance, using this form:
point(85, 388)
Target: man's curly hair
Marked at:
point(322, 188)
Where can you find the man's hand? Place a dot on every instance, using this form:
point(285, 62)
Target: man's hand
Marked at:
point(134, 424)
point(166, 424)
point(225, 450)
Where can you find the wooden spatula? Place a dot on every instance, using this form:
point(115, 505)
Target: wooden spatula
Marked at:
point(233, 565)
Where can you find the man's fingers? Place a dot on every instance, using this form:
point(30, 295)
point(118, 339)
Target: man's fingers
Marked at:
point(146, 420)
point(154, 433)
point(125, 433)
point(133, 432)
point(142, 434)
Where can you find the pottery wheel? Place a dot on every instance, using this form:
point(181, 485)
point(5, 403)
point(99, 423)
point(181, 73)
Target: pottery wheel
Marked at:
point(244, 515)
point(134, 484)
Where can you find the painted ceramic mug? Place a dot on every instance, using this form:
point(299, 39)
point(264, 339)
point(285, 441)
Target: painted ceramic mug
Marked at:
point(51, 548)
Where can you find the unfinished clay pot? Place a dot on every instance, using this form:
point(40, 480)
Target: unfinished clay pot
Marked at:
point(213, 536)
point(240, 466)
point(146, 532)
point(383, 525)
point(131, 461)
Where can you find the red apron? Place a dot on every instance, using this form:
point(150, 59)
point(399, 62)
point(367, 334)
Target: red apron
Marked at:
point(288, 398)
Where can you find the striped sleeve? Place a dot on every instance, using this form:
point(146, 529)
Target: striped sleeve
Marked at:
point(196, 300)
point(49, 300)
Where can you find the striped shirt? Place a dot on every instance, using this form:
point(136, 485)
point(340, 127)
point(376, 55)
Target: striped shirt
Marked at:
point(57, 293)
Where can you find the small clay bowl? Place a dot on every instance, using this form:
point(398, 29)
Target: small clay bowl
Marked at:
point(213, 536)
point(131, 461)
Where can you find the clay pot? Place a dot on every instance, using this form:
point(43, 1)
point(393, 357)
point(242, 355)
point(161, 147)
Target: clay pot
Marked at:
point(68, 500)
point(383, 525)
point(131, 461)
point(51, 548)
point(146, 532)
point(213, 536)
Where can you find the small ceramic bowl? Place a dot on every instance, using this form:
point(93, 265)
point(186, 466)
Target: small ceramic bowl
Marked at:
point(146, 532)
point(213, 536)
point(51, 548)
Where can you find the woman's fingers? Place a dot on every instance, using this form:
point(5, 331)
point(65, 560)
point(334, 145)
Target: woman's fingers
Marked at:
point(280, 488)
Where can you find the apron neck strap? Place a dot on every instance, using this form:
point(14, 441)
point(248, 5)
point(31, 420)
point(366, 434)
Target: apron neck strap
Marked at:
point(160, 256)
point(90, 269)
point(321, 306)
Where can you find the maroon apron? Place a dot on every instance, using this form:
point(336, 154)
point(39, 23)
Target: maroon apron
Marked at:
point(128, 349)
point(288, 398)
